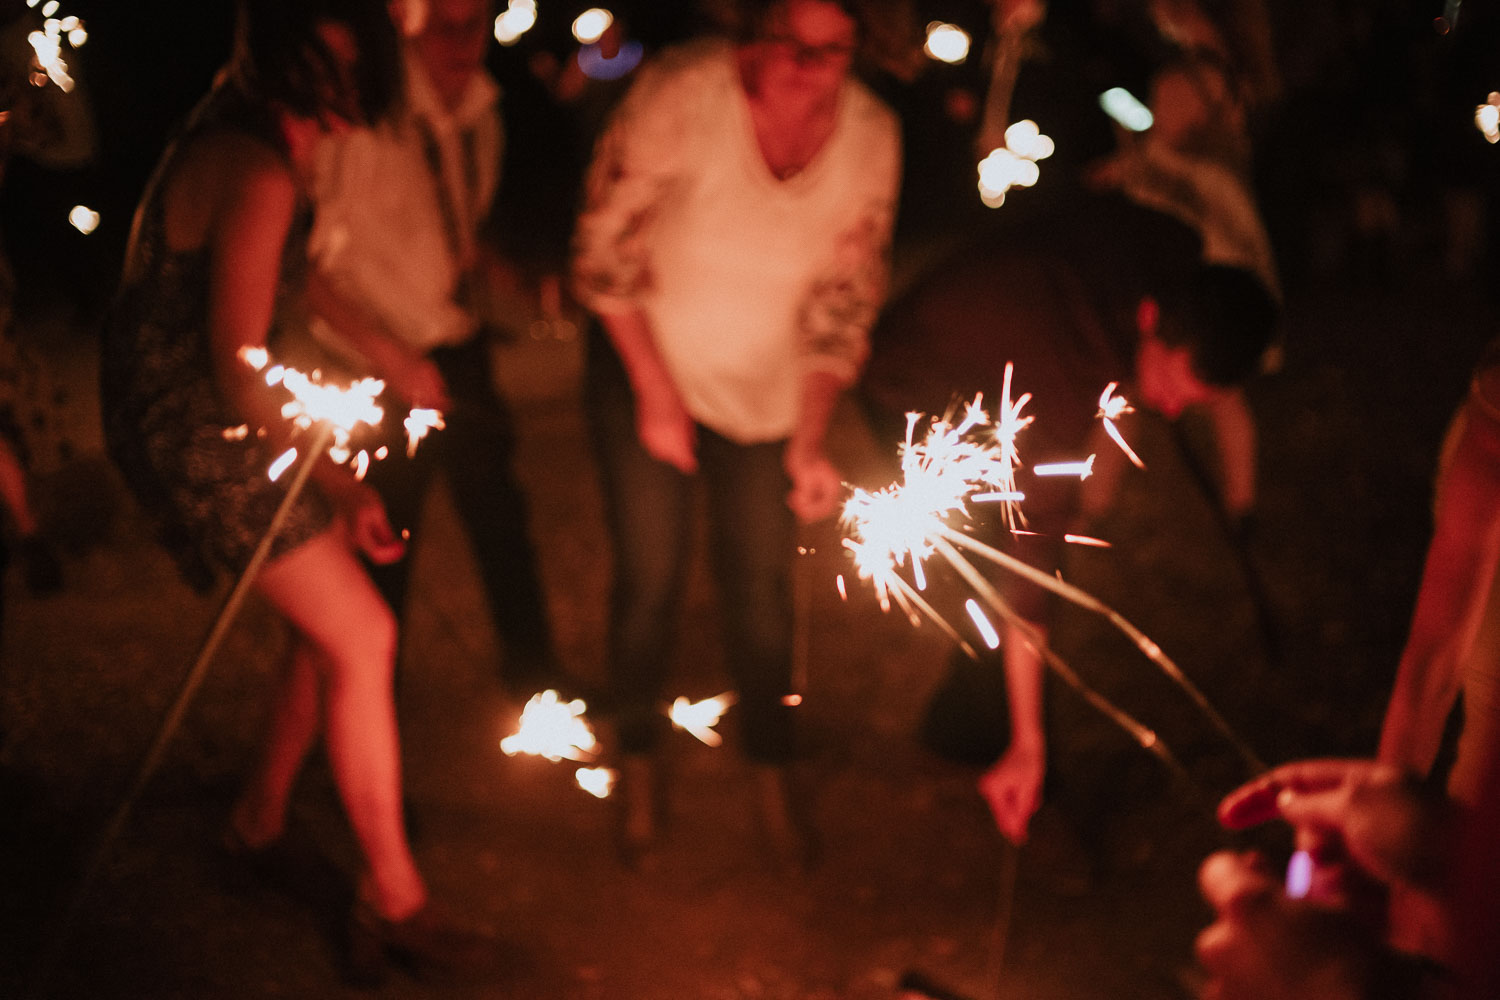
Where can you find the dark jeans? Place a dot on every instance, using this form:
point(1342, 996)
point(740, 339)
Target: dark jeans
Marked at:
point(476, 451)
point(752, 536)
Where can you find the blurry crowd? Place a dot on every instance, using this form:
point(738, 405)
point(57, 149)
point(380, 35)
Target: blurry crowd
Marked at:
point(746, 214)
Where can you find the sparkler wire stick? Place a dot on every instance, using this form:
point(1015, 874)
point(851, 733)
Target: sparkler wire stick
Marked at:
point(1147, 738)
point(220, 628)
point(1004, 908)
point(1089, 602)
point(801, 621)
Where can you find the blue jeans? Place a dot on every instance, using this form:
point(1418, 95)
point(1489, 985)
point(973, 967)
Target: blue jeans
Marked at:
point(752, 536)
point(476, 452)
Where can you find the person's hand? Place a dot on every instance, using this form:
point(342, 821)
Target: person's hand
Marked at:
point(370, 527)
point(665, 428)
point(1360, 822)
point(420, 385)
point(816, 484)
point(1013, 790)
point(1263, 945)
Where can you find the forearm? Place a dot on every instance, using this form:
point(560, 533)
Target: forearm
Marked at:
point(1023, 686)
point(630, 333)
point(360, 330)
point(1234, 435)
point(819, 398)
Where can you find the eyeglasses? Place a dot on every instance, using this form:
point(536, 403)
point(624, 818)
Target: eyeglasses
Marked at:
point(805, 55)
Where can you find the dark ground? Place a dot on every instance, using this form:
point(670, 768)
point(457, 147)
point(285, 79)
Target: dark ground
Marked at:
point(1105, 903)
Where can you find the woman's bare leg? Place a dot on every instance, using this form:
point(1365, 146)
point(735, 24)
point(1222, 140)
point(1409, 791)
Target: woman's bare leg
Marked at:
point(323, 590)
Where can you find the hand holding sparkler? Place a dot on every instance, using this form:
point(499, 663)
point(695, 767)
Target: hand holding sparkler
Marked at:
point(1012, 788)
point(911, 520)
point(816, 484)
point(370, 529)
point(663, 425)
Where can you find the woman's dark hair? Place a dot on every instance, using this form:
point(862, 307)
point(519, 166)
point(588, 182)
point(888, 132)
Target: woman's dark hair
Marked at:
point(1225, 316)
point(279, 57)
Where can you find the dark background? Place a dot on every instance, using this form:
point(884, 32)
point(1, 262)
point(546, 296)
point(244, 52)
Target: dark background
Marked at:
point(1377, 105)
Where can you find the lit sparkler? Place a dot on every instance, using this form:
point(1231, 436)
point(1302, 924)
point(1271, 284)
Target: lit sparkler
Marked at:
point(700, 717)
point(554, 729)
point(340, 409)
point(908, 522)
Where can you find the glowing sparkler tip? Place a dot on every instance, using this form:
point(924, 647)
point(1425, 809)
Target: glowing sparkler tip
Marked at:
point(552, 728)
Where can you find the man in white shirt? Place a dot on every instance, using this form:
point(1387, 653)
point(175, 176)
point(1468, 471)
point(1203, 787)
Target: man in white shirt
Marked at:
point(402, 268)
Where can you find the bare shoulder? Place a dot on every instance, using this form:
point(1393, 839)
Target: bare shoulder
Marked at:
point(220, 174)
point(247, 164)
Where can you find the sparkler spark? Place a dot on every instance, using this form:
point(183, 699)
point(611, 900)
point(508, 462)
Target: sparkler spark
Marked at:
point(976, 614)
point(1082, 469)
point(417, 423)
point(284, 462)
point(341, 408)
point(916, 518)
point(700, 717)
point(1111, 408)
point(554, 729)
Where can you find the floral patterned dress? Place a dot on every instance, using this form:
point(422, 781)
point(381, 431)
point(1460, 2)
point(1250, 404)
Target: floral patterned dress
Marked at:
point(165, 419)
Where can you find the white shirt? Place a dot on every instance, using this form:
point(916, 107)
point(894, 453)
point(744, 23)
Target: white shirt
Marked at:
point(748, 282)
point(381, 229)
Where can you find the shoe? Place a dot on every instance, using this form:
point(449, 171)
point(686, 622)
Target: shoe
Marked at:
point(429, 945)
point(784, 811)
